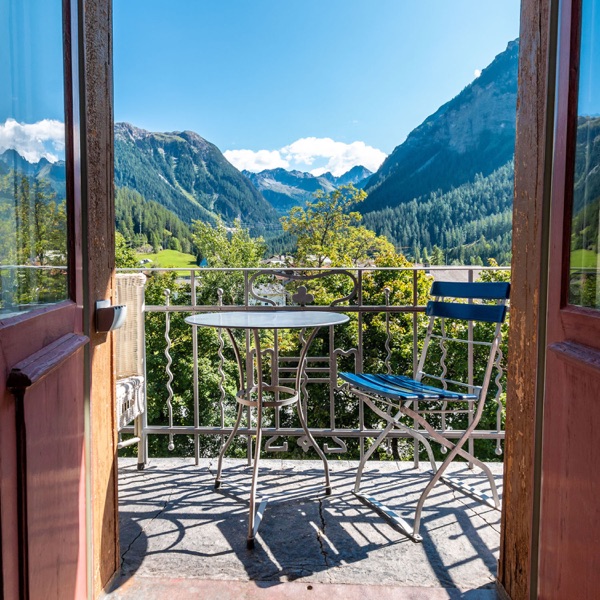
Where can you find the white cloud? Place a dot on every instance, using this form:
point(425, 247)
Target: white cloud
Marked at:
point(249, 160)
point(318, 155)
point(33, 141)
point(477, 73)
point(339, 157)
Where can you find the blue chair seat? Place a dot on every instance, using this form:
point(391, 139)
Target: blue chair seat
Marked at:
point(401, 387)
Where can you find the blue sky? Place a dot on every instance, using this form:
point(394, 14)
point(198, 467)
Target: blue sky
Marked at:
point(589, 75)
point(32, 107)
point(309, 84)
point(261, 75)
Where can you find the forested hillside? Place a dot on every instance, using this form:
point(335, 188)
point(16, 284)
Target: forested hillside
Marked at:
point(470, 223)
point(144, 222)
point(585, 238)
point(472, 134)
point(587, 170)
point(189, 176)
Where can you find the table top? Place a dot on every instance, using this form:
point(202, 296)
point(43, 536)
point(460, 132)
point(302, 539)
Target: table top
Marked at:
point(267, 319)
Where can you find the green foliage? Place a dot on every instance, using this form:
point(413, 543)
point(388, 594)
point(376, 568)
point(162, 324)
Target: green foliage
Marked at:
point(326, 228)
point(227, 247)
point(124, 256)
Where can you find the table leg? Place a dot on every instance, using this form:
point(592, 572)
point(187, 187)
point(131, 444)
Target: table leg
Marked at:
point(299, 377)
point(259, 407)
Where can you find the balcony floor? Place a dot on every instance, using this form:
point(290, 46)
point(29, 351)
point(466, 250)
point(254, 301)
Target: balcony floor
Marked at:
point(182, 538)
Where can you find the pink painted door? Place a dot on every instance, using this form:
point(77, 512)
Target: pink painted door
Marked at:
point(42, 349)
point(569, 566)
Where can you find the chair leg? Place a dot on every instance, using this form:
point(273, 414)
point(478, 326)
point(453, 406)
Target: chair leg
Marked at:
point(413, 432)
point(434, 479)
point(458, 447)
point(368, 454)
point(454, 450)
point(421, 438)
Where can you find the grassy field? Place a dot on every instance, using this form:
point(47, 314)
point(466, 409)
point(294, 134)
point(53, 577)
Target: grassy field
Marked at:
point(169, 258)
point(583, 259)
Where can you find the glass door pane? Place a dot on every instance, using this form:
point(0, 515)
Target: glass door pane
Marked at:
point(33, 221)
point(584, 287)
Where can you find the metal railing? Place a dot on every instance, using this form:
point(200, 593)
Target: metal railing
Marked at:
point(386, 306)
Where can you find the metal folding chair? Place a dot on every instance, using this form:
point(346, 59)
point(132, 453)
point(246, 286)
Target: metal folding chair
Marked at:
point(419, 408)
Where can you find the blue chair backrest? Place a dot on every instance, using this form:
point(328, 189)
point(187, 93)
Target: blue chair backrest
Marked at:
point(488, 313)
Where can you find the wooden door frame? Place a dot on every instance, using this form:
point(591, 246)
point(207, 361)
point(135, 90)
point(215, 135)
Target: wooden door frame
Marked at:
point(99, 271)
point(518, 564)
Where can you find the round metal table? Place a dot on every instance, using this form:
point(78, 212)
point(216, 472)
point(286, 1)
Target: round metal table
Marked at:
point(253, 395)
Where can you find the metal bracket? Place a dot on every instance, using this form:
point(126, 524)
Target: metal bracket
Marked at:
point(109, 318)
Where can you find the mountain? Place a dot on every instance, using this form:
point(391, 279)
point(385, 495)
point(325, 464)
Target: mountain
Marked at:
point(54, 173)
point(357, 176)
point(286, 189)
point(471, 223)
point(189, 176)
point(472, 134)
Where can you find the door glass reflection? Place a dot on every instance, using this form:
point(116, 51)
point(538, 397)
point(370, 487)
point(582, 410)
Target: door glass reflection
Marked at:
point(584, 288)
point(33, 221)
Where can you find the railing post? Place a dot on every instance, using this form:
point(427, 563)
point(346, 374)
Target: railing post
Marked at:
point(415, 324)
point(470, 371)
point(249, 369)
point(194, 302)
point(171, 445)
point(359, 358)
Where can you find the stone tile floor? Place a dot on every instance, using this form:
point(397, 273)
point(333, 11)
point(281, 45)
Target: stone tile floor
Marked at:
point(182, 538)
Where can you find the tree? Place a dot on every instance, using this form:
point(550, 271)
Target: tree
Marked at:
point(124, 255)
point(227, 247)
point(437, 256)
point(224, 247)
point(33, 233)
point(327, 228)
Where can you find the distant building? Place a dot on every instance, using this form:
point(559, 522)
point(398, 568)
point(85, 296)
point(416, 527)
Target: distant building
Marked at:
point(274, 292)
point(279, 261)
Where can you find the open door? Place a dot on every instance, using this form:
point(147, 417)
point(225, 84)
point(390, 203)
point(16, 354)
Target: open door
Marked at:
point(55, 370)
point(570, 513)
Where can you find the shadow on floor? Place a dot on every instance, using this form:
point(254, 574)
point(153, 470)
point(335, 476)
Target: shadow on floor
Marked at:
point(175, 524)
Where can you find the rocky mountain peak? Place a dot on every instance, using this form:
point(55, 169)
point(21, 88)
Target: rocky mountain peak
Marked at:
point(472, 133)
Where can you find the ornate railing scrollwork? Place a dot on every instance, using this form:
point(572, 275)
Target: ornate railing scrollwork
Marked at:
point(168, 371)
